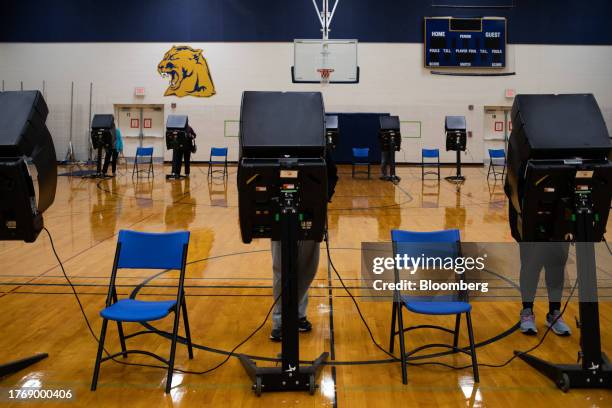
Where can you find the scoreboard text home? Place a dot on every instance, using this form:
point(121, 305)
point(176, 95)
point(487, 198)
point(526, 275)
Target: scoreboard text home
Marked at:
point(465, 42)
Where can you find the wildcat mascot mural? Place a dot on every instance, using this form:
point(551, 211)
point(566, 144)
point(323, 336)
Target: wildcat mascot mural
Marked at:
point(188, 72)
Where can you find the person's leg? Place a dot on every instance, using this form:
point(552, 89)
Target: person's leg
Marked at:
point(276, 286)
point(554, 265)
point(384, 163)
point(99, 161)
point(308, 264)
point(114, 160)
point(392, 163)
point(107, 157)
point(176, 161)
point(187, 155)
point(179, 162)
point(531, 265)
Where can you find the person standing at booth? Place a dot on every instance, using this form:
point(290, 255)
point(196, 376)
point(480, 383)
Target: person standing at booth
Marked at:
point(111, 154)
point(183, 151)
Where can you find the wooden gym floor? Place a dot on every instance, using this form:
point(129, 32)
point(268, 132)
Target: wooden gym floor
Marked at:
point(229, 293)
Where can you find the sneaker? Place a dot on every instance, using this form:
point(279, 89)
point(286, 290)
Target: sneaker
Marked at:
point(276, 335)
point(304, 325)
point(384, 178)
point(528, 325)
point(560, 328)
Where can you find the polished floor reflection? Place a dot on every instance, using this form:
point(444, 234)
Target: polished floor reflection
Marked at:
point(228, 289)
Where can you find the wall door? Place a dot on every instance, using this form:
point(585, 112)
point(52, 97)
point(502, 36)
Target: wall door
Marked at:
point(141, 125)
point(496, 130)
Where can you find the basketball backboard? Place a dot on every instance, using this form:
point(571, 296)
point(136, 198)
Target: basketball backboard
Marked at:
point(333, 61)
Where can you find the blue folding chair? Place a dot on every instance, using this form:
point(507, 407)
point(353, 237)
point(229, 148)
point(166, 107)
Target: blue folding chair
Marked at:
point(430, 154)
point(429, 244)
point(361, 157)
point(143, 250)
point(497, 159)
point(218, 152)
point(146, 153)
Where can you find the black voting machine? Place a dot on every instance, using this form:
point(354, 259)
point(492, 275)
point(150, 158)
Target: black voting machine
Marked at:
point(560, 186)
point(24, 137)
point(456, 140)
point(176, 131)
point(282, 195)
point(390, 140)
point(102, 137)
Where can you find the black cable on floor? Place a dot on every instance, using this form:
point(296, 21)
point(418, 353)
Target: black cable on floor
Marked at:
point(367, 326)
point(608, 246)
point(230, 354)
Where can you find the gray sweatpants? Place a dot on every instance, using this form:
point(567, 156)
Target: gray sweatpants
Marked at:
point(308, 262)
point(550, 256)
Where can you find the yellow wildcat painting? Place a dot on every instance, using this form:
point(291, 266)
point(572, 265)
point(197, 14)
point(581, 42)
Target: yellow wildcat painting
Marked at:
point(188, 72)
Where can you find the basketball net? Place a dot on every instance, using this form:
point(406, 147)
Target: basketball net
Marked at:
point(325, 74)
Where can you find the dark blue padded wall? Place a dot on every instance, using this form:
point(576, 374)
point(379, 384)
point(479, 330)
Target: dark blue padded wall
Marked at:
point(530, 21)
point(357, 130)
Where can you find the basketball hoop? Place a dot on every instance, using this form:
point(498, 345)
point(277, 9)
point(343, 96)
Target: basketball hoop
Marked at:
point(325, 74)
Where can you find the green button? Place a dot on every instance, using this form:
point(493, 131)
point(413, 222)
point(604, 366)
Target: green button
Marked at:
point(276, 217)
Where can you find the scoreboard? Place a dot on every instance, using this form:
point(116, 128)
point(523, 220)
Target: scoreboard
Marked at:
point(465, 42)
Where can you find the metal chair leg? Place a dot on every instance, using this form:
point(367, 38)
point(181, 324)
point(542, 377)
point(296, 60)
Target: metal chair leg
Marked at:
point(187, 330)
point(94, 380)
point(472, 347)
point(122, 339)
point(457, 327)
point(392, 336)
point(402, 347)
point(177, 315)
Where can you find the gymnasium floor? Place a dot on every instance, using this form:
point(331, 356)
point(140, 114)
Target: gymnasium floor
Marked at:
point(229, 292)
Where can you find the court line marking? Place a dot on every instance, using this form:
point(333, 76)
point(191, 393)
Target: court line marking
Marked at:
point(332, 345)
